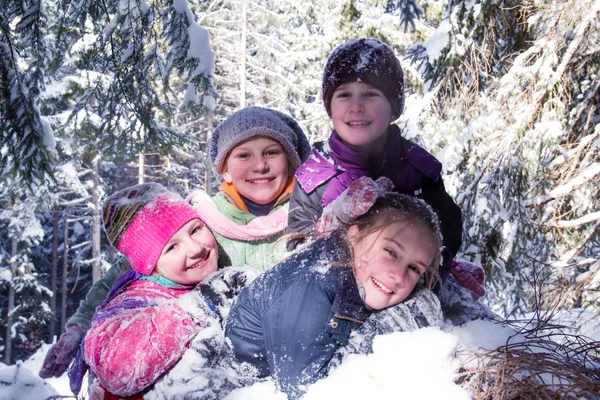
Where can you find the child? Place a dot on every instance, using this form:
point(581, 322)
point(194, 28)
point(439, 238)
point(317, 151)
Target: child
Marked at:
point(363, 93)
point(293, 319)
point(256, 151)
point(153, 312)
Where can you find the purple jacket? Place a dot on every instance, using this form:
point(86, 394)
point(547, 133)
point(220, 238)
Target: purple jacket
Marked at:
point(332, 166)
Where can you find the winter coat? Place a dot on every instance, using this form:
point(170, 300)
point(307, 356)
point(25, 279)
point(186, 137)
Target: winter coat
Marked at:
point(333, 166)
point(138, 335)
point(291, 320)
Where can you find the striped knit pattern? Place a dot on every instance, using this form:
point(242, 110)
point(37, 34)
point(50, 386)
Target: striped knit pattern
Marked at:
point(122, 207)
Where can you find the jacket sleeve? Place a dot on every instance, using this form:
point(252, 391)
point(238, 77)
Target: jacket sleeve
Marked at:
point(450, 215)
point(97, 294)
point(297, 343)
point(305, 210)
point(131, 349)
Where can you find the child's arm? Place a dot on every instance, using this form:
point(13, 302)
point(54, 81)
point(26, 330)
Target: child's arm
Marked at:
point(62, 353)
point(305, 210)
point(450, 215)
point(421, 310)
point(298, 347)
point(138, 337)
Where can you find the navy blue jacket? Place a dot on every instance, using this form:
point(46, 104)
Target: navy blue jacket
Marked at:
point(290, 321)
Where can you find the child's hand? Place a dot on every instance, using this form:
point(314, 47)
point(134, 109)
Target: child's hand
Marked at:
point(469, 276)
point(63, 352)
point(353, 202)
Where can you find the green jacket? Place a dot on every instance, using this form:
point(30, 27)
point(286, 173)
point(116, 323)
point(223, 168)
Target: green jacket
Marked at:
point(258, 255)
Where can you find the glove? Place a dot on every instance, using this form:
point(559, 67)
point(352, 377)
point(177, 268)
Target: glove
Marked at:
point(224, 286)
point(469, 276)
point(353, 202)
point(63, 352)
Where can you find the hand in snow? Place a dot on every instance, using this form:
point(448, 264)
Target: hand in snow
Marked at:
point(469, 276)
point(353, 202)
point(223, 287)
point(63, 352)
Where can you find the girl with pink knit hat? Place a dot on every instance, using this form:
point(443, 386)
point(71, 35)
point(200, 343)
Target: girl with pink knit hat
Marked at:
point(153, 311)
point(256, 151)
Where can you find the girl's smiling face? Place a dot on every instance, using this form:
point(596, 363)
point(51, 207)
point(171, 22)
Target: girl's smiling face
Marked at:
point(389, 262)
point(190, 255)
point(258, 169)
point(361, 114)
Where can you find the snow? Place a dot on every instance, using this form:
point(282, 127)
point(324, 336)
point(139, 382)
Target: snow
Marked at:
point(402, 363)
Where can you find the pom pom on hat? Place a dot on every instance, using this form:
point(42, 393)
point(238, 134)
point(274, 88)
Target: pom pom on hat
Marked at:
point(249, 122)
point(369, 61)
point(141, 219)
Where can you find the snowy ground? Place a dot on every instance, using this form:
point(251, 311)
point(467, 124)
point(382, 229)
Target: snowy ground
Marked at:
point(419, 364)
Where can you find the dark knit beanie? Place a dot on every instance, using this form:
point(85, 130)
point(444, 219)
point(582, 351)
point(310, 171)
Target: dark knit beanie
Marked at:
point(141, 219)
point(258, 121)
point(369, 61)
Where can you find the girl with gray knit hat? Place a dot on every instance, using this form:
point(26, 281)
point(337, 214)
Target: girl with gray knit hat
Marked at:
point(256, 152)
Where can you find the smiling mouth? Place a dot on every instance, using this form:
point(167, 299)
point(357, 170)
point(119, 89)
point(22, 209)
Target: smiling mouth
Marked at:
point(358, 123)
point(260, 181)
point(381, 286)
point(201, 264)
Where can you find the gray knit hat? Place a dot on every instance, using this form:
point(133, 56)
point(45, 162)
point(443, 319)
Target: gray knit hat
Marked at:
point(258, 121)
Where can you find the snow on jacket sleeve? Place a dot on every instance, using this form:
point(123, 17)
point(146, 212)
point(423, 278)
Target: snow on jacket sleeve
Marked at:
point(299, 348)
point(97, 294)
point(138, 341)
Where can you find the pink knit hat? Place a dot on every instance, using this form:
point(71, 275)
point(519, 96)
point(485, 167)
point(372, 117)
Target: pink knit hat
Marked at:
point(141, 219)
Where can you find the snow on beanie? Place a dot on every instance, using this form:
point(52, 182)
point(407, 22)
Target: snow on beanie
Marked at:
point(141, 219)
point(365, 60)
point(258, 121)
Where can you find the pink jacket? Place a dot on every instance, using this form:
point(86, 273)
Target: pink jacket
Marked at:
point(140, 334)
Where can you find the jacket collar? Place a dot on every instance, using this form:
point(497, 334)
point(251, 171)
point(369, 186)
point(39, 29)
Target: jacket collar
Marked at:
point(234, 198)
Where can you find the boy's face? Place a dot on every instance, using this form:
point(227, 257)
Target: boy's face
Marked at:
point(190, 255)
point(361, 114)
point(258, 168)
point(390, 262)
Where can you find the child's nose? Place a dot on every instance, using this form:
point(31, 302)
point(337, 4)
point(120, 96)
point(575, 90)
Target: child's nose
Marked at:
point(195, 248)
point(357, 105)
point(398, 274)
point(261, 164)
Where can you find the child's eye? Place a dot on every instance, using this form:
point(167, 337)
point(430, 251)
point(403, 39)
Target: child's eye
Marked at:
point(415, 269)
point(342, 94)
point(197, 229)
point(391, 252)
point(372, 94)
point(171, 248)
point(272, 153)
point(243, 155)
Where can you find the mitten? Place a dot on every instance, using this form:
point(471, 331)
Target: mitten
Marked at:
point(224, 286)
point(469, 276)
point(63, 352)
point(353, 202)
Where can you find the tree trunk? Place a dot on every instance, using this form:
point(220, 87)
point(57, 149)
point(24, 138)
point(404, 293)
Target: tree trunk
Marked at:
point(11, 302)
point(63, 305)
point(208, 164)
point(243, 55)
point(96, 232)
point(54, 274)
